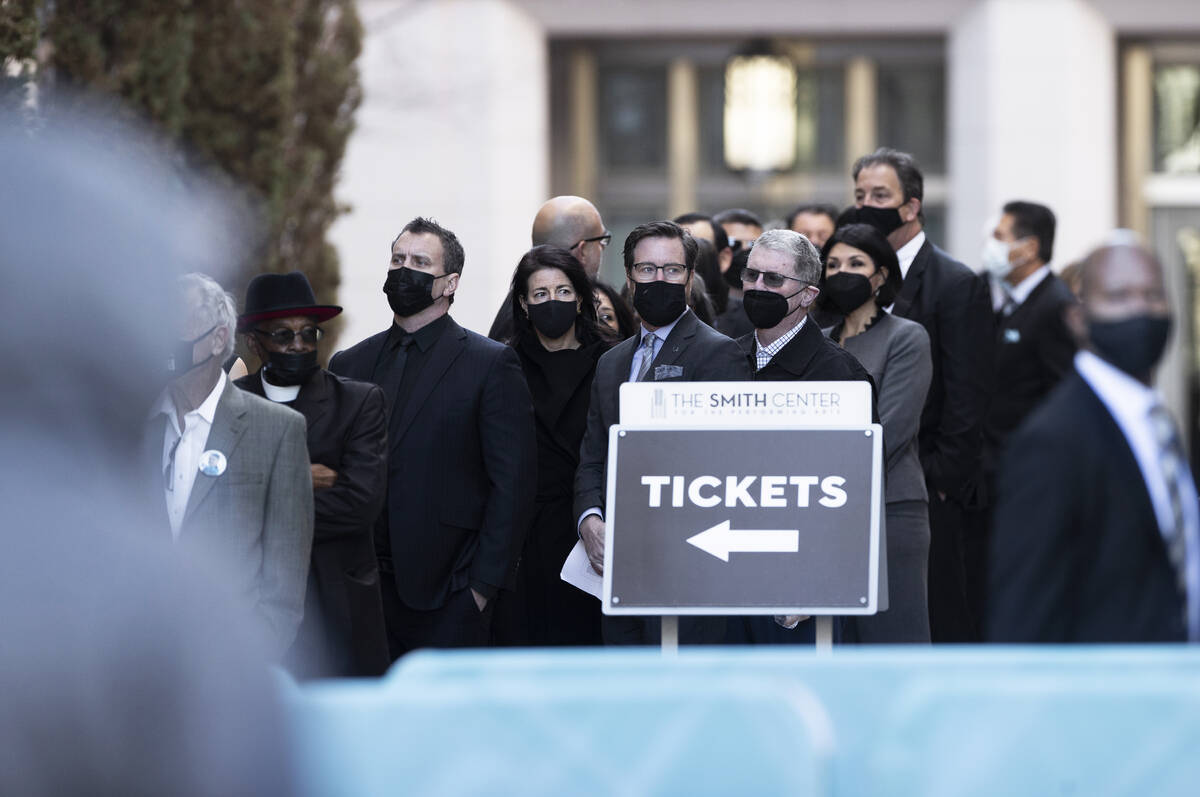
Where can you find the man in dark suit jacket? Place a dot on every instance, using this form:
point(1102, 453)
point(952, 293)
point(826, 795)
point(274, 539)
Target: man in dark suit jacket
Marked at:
point(780, 285)
point(1034, 350)
point(952, 303)
point(230, 472)
point(461, 452)
point(672, 345)
point(342, 633)
point(1097, 529)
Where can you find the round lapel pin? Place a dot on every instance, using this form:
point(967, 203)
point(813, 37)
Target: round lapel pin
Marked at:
point(212, 463)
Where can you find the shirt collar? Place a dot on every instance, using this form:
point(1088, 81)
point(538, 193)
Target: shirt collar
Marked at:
point(424, 337)
point(662, 333)
point(207, 409)
point(908, 253)
point(1020, 292)
point(765, 353)
point(281, 394)
point(1125, 397)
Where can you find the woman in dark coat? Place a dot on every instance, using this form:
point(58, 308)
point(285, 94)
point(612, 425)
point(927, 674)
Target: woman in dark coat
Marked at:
point(558, 340)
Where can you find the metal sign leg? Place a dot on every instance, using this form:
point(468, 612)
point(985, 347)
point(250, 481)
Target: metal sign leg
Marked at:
point(670, 635)
point(824, 634)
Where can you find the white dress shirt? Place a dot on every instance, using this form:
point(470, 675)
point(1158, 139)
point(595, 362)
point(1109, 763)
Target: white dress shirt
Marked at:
point(906, 255)
point(1130, 402)
point(191, 441)
point(1002, 292)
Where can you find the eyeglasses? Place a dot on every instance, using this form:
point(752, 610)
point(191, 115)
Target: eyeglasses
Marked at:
point(282, 337)
point(604, 240)
point(646, 272)
point(772, 279)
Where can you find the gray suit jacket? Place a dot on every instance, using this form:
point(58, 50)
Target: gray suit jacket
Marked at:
point(896, 353)
point(701, 353)
point(255, 520)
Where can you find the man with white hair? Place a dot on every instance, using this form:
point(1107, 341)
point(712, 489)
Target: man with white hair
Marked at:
point(232, 468)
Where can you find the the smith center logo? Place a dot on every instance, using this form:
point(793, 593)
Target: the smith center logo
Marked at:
point(665, 403)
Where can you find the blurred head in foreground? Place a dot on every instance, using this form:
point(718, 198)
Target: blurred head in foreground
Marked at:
point(121, 672)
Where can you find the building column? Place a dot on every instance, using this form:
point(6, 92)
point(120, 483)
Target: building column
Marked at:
point(453, 125)
point(683, 136)
point(1032, 115)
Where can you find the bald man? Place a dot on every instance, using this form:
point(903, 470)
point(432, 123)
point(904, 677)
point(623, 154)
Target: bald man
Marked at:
point(1096, 520)
point(570, 222)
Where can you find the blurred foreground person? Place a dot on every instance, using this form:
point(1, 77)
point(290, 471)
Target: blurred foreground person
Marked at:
point(125, 669)
point(1096, 524)
point(780, 280)
point(672, 345)
point(232, 467)
point(460, 452)
point(559, 342)
point(861, 278)
point(342, 633)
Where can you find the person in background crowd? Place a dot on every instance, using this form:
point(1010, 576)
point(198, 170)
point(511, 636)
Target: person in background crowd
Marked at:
point(461, 447)
point(342, 633)
point(861, 278)
point(742, 227)
point(1070, 276)
point(570, 222)
point(613, 311)
point(233, 468)
point(559, 342)
point(1034, 350)
point(816, 222)
point(726, 293)
point(672, 344)
point(954, 306)
point(1097, 530)
point(780, 279)
point(709, 270)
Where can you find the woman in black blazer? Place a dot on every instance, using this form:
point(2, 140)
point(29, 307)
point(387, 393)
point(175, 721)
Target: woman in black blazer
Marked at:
point(558, 339)
point(861, 277)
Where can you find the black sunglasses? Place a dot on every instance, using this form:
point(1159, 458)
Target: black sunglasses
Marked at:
point(282, 337)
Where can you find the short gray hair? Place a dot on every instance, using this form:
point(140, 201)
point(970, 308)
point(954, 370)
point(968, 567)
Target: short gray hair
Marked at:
point(806, 260)
point(213, 304)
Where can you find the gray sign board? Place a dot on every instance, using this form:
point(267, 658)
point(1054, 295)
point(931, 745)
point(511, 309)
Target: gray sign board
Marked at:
point(745, 521)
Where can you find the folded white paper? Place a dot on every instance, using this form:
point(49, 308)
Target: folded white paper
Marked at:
point(577, 571)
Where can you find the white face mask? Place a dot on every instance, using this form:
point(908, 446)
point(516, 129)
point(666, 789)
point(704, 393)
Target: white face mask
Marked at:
point(995, 258)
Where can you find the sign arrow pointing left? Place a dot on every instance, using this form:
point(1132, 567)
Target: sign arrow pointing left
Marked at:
point(721, 540)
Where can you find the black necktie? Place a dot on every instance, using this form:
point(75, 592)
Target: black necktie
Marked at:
point(393, 371)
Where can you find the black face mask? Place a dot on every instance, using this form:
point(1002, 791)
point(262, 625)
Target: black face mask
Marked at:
point(179, 360)
point(846, 292)
point(290, 368)
point(659, 303)
point(1135, 345)
point(552, 318)
point(765, 309)
point(409, 291)
point(886, 220)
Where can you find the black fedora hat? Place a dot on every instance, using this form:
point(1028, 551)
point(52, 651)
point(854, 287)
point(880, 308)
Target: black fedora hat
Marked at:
point(280, 296)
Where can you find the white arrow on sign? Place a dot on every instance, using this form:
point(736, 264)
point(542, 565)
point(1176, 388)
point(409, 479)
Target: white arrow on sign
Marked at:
point(721, 540)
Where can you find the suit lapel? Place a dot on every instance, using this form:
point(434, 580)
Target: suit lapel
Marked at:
point(444, 353)
point(912, 281)
point(229, 423)
point(313, 401)
point(361, 364)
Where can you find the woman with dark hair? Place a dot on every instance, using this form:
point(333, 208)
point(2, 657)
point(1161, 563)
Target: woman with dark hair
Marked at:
point(612, 311)
point(861, 277)
point(558, 339)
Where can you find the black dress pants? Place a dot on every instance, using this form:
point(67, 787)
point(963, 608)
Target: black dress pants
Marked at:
point(456, 624)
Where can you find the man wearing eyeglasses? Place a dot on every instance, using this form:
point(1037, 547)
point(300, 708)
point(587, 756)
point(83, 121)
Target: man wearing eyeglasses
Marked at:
point(570, 222)
point(342, 633)
point(672, 345)
point(779, 283)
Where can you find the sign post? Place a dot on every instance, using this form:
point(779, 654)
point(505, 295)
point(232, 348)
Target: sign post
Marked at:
point(744, 499)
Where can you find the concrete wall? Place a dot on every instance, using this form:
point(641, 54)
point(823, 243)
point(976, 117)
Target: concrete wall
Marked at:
point(453, 125)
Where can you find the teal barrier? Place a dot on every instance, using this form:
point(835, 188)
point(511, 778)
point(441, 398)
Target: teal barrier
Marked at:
point(970, 721)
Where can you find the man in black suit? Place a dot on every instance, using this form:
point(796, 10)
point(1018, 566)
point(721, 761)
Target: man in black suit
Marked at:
point(672, 345)
point(953, 305)
point(1034, 350)
point(1097, 529)
point(572, 223)
point(461, 451)
point(780, 286)
point(342, 633)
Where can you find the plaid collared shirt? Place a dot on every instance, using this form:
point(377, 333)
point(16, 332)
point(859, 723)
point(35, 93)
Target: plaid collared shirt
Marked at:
point(763, 354)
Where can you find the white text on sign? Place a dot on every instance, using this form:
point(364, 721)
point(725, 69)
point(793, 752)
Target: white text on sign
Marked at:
point(768, 492)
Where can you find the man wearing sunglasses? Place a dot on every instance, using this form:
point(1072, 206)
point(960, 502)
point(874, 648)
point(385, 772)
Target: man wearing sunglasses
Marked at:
point(342, 633)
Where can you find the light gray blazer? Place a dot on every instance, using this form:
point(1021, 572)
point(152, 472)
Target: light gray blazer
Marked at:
point(255, 520)
point(896, 353)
